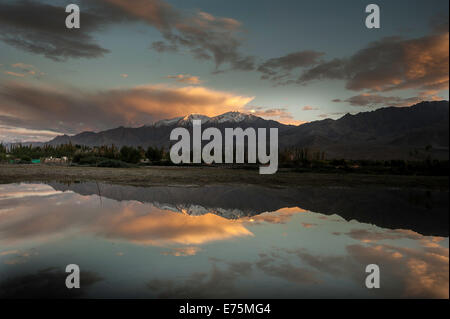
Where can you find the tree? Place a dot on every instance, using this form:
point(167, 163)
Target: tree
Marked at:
point(129, 154)
point(154, 154)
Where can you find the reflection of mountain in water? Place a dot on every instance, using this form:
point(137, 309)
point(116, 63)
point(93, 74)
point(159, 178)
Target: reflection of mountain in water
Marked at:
point(423, 211)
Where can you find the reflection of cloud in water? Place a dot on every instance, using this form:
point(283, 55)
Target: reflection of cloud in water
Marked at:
point(160, 227)
point(41, 220)
point(18, 191)
point(425, 273)
point(280, 216)
point(182, 251)
point(219, 282)
point(16, 256)
point(406, 272)
point(421, 272)
point(412, 265)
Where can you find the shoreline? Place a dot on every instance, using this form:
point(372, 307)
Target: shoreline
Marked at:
point(198, 176)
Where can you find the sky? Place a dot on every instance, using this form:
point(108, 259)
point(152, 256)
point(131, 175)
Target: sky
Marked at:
point(132, 63)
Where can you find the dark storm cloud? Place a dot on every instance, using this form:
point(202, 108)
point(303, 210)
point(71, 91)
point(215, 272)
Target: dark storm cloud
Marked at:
point(40, 28)
point(277, 68)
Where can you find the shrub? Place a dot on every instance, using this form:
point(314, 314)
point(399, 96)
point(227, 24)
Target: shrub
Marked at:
point(113, 163)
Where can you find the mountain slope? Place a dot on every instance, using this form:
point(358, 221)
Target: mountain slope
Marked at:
point(386, 133)
point(158, 133)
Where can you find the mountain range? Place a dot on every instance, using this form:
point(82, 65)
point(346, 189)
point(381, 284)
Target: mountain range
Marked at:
point(413, 132)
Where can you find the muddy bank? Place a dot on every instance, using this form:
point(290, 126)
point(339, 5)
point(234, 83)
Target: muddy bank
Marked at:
point(198, 176)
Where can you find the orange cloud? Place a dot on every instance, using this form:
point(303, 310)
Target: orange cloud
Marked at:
point(309, 108)
point(21, 75)
point(38, 107)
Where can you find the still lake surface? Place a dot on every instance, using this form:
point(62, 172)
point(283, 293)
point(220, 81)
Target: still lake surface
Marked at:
point(222, 241)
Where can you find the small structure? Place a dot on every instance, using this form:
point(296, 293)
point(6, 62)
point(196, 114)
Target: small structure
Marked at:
point(56, 160)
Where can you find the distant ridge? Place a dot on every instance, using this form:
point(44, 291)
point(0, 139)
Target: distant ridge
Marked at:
point(387, 133)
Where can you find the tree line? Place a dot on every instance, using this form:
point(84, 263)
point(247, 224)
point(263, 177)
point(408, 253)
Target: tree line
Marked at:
point(83, 154)
point(296, 158)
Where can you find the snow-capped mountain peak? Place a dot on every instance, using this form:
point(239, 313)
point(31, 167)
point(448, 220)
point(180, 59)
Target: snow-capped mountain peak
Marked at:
point(234, 117)
point(229, 117)
point(192, 117)
point(168, 122)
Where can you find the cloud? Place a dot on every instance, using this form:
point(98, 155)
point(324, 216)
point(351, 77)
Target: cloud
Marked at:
point(185, 78)
point(19, 75)
point(26, 70)
point(279, 68)
point(124, 75)
point(12, 134)
point(309, 108)
point(372, 100)
point(39, 28)
point(392, 63)
point(161, 46)
point(323, 116)
point(308, 225)
point(281, 115)
point(202, 34)
point(72, 111)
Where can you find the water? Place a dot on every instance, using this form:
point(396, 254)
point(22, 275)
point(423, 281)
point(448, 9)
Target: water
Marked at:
point(222, 241)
